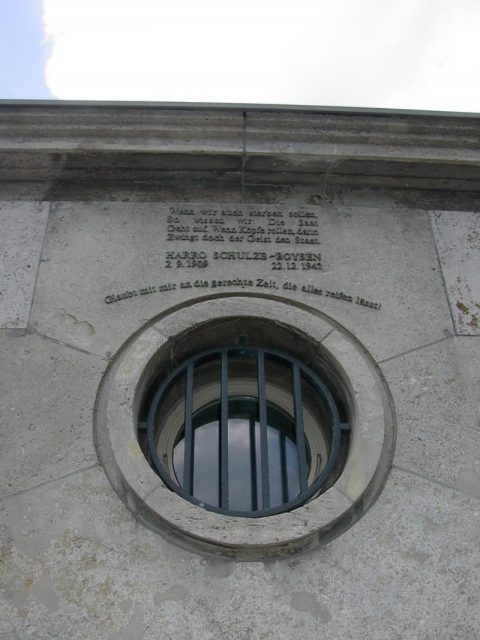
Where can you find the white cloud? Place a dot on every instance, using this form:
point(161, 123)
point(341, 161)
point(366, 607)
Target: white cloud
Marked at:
point(382, 53)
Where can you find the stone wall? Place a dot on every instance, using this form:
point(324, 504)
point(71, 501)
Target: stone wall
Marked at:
point(113, 216)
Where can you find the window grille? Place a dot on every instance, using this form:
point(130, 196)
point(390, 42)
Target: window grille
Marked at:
point(244, 449)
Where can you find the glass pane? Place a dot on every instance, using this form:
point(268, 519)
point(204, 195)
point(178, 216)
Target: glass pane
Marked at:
point(239, 472)
point(205, 463)
point(244, 460)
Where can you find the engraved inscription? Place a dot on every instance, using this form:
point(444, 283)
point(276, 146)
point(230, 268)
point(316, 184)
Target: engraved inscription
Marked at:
point(244, 225)
point(244, 247)
point(186, 259)
point(247, 226)
point(265, 283)
point(294, 261)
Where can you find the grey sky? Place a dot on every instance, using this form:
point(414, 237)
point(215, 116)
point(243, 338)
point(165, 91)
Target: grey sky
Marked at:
point(418, 54)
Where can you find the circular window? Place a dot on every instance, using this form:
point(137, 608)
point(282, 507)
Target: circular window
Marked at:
point(244, 430)
point(245, 426)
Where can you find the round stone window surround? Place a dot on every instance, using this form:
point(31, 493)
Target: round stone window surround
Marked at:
point(365, 471)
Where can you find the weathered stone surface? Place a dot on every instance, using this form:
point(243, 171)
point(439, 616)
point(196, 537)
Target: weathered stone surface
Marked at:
point(244, 305)
point(92, 251)
point(75, 565)
point(458, 240)
point(46, 408)
point(286, 167)
point(436, 391)
point(21, 239)
point(427, 199)
point(36, 130)
point(181, 190)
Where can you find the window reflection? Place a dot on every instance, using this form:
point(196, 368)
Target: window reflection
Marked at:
point(244, 462)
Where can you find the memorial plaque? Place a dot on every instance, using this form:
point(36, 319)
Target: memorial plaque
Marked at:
point(116, 266)
point(457, 236)
point(247, 247)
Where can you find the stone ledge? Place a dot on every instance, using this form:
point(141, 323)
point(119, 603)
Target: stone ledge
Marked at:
point(160, 145)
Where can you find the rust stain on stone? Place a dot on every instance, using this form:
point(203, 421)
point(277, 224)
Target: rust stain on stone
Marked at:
point(463, 307)
point(474, 323)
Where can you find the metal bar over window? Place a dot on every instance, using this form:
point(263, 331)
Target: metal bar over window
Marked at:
point(189, 445)
point(283, 466)
point(264, 418)
point(262, 403)
point(223, 437)
point(253, 464)
point(299, 433)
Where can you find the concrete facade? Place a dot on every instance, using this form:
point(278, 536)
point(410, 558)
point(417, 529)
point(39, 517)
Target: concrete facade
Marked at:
point(87, 199)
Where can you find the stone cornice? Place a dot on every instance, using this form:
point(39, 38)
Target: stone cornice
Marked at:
point(251, 146)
